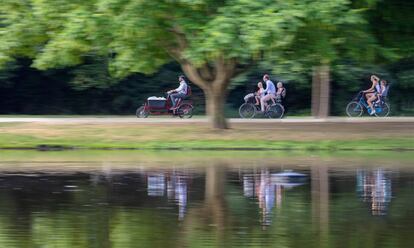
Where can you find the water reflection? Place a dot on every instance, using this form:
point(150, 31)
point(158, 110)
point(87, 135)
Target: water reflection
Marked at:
point(174, 184)
point(217, 206)
point(374, 188)
point(268, 188)
point(177, 191)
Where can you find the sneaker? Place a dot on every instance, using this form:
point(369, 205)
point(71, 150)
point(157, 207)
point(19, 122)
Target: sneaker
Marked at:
point(372, 112)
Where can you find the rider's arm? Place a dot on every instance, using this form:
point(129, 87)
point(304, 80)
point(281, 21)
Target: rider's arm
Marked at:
point(180, 88)
point(177, 89)
point(265, 90)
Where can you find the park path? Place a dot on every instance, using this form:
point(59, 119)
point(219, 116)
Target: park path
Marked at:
point(166, 120)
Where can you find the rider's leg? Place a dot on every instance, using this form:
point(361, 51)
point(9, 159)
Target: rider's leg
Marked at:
point(368, 95)
point(263, 101)
point(257, 100)
point(173, 99)
point(369, 101)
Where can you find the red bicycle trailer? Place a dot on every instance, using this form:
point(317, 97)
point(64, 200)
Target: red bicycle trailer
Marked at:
point(163, 106)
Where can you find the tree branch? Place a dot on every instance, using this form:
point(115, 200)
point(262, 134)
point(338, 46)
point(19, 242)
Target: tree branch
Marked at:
point(193, 74)
point(225, 71)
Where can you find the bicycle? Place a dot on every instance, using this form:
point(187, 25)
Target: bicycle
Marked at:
point(162, 105)
point(356, 107)
point(249, 110)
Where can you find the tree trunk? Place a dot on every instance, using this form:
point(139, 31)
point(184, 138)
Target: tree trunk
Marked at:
point(320, 91)
point(214, 83)
point(215, 102)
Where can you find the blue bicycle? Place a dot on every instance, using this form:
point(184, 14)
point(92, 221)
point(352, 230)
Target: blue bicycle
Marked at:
point(356, 107)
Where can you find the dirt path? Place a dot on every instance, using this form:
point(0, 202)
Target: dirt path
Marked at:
point(129, 129)
point(168, 119)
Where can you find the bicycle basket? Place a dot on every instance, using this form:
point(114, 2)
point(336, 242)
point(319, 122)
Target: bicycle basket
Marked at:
point(156, 102)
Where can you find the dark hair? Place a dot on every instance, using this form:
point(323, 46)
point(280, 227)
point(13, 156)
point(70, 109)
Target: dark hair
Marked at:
point(181, 77)
point(383, 81)
point(266, 76)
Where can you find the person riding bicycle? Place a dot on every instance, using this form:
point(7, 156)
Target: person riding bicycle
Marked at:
point(256, 95)
point(371, 93)
point(178, 93)
point(280, 92)
point(270, 92)
point(259, 93)
point(382, 90)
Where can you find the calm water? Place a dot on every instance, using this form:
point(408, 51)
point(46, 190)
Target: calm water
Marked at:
point(214, 205)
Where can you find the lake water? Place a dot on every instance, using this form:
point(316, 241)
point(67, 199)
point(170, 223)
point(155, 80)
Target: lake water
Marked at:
point(230, 200)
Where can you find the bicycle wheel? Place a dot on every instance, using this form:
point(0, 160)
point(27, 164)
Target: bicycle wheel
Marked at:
point(275, 111)
point(247, 110)
point(141, 112)
point(185, 111)
point(383, 110)
point(354, 109)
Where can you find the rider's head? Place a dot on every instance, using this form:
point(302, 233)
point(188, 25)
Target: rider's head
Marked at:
point(181, 78)
point(260, 84)
point(266, 77)
point(383, 82)
point(279, 84)
point(374, 78)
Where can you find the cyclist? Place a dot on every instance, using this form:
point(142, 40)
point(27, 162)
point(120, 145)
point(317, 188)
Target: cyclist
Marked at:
point(371, 93)
point(259, 93)
point(280, 92)
point(180, 92)
point(383, 89)
point(270, 92)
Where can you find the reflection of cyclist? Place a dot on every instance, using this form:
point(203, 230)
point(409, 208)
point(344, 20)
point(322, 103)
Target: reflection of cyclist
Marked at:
point(178, 93)
point(370, 94)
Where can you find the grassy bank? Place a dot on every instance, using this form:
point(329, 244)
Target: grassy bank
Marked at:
point(281, 136)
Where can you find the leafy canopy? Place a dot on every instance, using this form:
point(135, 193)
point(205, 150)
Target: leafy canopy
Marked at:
point(142, 35)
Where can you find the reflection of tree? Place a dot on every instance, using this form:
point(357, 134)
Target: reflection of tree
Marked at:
point(214, 195)
point(210, 218)
point(374, 187)
point(320, 201)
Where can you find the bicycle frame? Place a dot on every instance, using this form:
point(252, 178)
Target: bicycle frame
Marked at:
point(164, 110)
point(364, 103)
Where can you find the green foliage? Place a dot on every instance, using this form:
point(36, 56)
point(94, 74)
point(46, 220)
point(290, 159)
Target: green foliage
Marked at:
point(139, 36)
point(101, 41)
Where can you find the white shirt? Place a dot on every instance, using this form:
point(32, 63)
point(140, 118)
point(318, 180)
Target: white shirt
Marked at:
point(270, 88)
point(182, 88)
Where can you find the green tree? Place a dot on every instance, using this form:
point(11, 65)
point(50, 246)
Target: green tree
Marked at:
point(212, 40)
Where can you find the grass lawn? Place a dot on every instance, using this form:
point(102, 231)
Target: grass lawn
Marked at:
point(295, 136)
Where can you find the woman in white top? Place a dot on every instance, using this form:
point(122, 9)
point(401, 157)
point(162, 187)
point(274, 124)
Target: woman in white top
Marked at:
point(370, 94)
